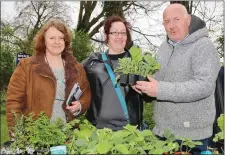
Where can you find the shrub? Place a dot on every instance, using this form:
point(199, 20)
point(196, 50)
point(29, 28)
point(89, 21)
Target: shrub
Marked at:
point(7, 67)
point(81, 45)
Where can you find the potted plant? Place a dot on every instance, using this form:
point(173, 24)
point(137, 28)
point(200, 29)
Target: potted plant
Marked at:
point(136, 68)
point(170, 142)
point(186, 145)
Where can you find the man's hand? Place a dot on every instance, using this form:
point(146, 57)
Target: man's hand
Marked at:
point(150, 87)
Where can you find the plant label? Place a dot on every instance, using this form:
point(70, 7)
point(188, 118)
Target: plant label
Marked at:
point(187, 124)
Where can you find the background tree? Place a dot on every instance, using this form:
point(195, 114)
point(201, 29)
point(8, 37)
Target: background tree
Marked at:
point(220, 46)
point(81, 45)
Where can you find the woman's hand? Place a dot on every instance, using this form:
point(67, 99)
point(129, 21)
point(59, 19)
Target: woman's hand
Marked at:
point(75, 108)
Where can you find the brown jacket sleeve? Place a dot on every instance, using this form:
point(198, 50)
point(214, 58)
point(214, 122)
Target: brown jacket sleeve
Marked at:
point(85, 98)
point(16, 94)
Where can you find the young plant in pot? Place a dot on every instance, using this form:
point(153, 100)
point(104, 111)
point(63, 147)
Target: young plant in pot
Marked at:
point(136, 68)
point(186, 145)
point(178, 148)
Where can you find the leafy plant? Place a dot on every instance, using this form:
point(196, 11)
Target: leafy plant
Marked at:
point(39, 134)
point(171, 143)
point(81, 45)
point(220, 135)
point(137, 64)
point(81, 137)
point(174, 146)
point(188, 143)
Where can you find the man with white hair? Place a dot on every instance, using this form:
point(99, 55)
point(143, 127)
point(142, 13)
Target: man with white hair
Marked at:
point(184, 86)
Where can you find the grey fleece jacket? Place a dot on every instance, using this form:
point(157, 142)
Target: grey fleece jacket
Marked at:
point(185, 101)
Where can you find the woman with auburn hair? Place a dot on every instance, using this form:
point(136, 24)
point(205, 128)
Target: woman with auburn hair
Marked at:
point(43, 82)
point(108, 108)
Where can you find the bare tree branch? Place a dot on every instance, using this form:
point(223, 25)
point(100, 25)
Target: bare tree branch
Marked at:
point(96, 29)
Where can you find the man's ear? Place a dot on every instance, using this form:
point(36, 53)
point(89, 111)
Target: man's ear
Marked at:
point(189, 19)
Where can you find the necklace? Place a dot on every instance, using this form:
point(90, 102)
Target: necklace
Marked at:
point(50, 66)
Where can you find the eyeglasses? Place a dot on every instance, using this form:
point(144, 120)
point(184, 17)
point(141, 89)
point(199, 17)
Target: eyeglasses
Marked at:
point(117, 33)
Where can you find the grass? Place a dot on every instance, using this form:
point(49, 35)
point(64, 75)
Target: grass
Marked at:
point(4, 128)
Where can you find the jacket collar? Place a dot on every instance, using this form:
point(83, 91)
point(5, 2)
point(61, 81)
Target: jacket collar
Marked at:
point(43, 68)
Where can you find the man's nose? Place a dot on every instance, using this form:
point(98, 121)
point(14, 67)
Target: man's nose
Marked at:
point(172, 24)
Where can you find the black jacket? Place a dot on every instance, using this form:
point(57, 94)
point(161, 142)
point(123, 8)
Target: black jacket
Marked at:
point(98, 77)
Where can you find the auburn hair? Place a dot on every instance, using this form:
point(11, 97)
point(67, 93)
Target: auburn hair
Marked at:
point(108, 23)
point(39, 41)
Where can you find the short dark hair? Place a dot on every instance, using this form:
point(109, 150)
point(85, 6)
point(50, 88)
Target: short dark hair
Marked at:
point(112, 19)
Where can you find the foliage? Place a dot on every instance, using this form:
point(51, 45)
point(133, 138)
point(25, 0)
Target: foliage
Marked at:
point(3, 98)
point(81, 45)
point(220, 135)
point(114, 8)
point(81, 137)
point(138, 64)
point(7, 66)
point(171, 141)
point(4, 130)
point(220, 46)
point(188, 143)
point(30, 134)
point(148, 115)
point(89, 140)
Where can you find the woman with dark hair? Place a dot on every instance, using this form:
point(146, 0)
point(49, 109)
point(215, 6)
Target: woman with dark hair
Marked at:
point(43, 82)
point(112, 106)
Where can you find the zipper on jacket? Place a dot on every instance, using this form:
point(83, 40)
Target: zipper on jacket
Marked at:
point(54, 83)
point(170, 56)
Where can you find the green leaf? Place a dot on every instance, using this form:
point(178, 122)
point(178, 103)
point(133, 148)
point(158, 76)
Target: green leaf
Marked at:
point(146, 133)
point(122, 148)
point(136, 53)
point(220, 122)
point(198, 143)
point(103, 148)
point(131, 128)
point(120, 134)
point(81, 142)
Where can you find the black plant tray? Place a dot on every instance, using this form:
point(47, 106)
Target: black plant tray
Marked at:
point(130, 79)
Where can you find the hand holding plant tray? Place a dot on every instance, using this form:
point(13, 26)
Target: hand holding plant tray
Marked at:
point(137, 67)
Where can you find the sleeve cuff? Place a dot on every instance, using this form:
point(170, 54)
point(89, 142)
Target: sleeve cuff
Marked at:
point(78, 111)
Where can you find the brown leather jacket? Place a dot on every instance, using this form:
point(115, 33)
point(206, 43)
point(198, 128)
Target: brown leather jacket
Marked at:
point(32, 87)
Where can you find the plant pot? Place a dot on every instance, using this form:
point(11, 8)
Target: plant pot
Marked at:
point(7, 144)
point(61, 149)
point(42, 151)
point(133, 78)
point(123, 79)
